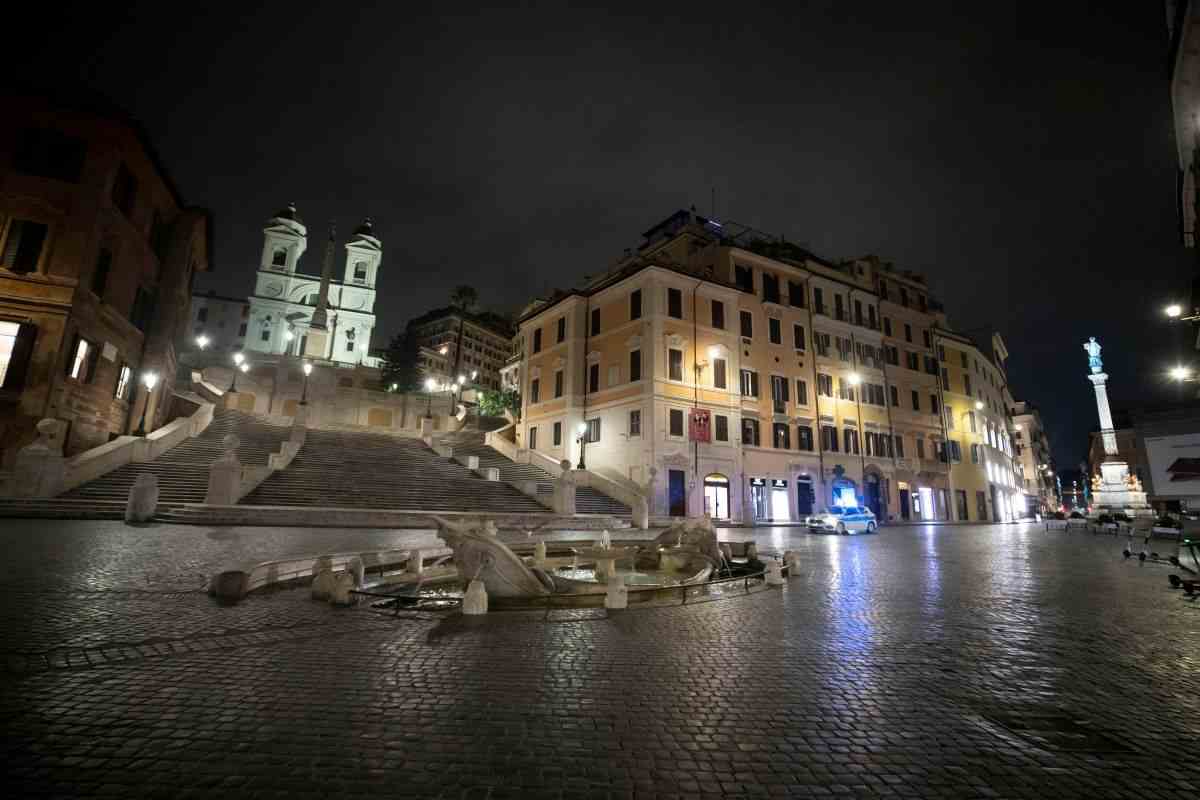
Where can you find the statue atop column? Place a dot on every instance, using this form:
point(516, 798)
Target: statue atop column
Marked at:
point(1093, 350)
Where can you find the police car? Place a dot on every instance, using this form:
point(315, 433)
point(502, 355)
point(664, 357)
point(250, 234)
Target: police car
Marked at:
point(844, 520)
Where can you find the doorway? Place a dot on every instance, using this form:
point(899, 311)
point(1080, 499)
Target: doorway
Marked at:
point(804, 496)
point(780, 506)
point(904, 504)
point(759, 499)
point(925, 508)
point(676, 493)
point(871, 494)
point(716, 496)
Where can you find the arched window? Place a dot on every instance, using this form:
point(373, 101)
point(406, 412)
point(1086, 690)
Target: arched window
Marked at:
point(360, 272)
point(279, 257)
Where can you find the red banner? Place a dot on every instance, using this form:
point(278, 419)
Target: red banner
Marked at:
point(700, 425)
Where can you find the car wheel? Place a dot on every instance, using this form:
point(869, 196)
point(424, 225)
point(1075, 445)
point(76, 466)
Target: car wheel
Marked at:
point(870, 527)
point(841, 528)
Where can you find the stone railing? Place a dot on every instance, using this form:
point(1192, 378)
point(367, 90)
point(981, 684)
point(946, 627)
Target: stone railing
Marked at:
point(101, 460)
point(229, 481)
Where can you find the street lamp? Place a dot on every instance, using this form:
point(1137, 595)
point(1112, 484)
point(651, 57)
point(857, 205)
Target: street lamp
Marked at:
point(854, 379)
point(979, 406)
point(430, 385)
point(582, 440)
point(149, 380)
point(1180, 373)
point(1174, 310)
point(304, 392)
point(238, 358)
point(202, 341)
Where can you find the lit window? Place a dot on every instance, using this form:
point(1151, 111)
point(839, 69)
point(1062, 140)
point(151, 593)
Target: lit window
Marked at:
point(81, 354)
point(123, 382)
point(8, 340)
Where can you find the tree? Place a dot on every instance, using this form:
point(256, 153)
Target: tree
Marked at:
point(401, 364)
point(492, 404)
point(464, 297)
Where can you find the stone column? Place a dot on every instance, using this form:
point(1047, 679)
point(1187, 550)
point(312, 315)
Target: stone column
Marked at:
point(1106, 424)
point(40, 468)
point(225, 476)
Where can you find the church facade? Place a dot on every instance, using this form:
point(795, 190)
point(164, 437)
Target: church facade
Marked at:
point(315, 316)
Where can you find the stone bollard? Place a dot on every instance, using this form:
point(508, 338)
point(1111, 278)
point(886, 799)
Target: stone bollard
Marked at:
point(471, 462)
point(774, 573)
point(617, 596)
point(791, 560)
point(539, 553)
point(416, 563)
point(143, 499)
point(343, 583)
point(322, 585)
point(225, 475)
point(564, 491)
point(751, 551)
point(475, 601)
point(357, 570)
point(491, 473)
point(427, 427)
point(641, 513)
point(229, 586)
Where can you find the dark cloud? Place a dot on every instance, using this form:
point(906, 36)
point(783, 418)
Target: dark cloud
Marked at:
point(1021, 156)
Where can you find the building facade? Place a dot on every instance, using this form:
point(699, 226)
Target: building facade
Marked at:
point(218, 323)
point(1032, 449)
point(762, 383)
point(98, 253)
point(454, 342)
point(285, 301)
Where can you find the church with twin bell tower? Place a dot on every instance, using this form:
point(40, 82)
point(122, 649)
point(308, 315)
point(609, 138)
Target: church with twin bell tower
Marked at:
point(314, 316)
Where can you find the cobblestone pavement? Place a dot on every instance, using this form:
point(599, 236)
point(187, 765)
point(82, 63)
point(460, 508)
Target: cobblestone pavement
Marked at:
point(954, 661)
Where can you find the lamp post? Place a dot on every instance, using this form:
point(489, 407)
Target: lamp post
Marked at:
point(287, 337)
point(202, 341)
point(854, 379)
point(304, 392)
point(582, 440)
point(238, 358)
point(149, 380)
point(430, 385)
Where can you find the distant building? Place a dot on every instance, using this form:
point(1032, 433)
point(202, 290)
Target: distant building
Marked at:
point(454, 342)
point(222, 321)
point(98, 253)
point(285, 301)
point(1033, 454)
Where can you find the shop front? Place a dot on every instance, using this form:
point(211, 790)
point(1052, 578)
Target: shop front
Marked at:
point(769, 499)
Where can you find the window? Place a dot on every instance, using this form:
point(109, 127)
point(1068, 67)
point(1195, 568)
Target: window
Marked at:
point(871, 320)
point(955, 451)
point(202, 314)
point(887, 326)
point(562, 329)
point(912, 361)
point(798, 339)
point(770, 288)
point(123, 382)
point(595, 321)
point(801, 393)
point(829, 439)
point(818, 300)
point(781, 436)
point(963, 358)
point(279, 257)
point(266, 335)
point(933, 404)
point(23, 246)
point(360, 272)
point(899, 446)
point(749, 383)
point(82, 362)
point(50, 154)
point(843, 346)
point(804, 438)
point(795, 294)
point(718, 315)
point(774, 331)
point(676, 422)
point(593, 430)
point(945, 378)
point(558, 383)
point(895, 395)
point(635, 304)
point(675, 364)
point(675, 303)
point(535, 386)
point(941, 352)
point(883, 289)
point(926, 338)
point(839, 307)
point(966, 384)
point(779, 393)
point(747, 324)
point(719, 373)
point(100, 273)
point(242, 329)
point(931, 365)
point(821, 343)
point(124, 190)
point(750, 431)
point(907, 332)
point(593, 377)
point(916, 401)
point(974, 454)
point(635, 365)
point(533, 438)
point(557, 434)
point(858, 312)
point(904, 297)
point(743, 278)
point(143, 309)
point(824, 385)
point(537, 340)
point(971, 422)
point(921, 448)
point(635, 422)
point(845, 390)
point(722, 428)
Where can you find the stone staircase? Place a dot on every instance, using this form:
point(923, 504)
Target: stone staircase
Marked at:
point(182, 471)
point(471, 443)
point(340, 468)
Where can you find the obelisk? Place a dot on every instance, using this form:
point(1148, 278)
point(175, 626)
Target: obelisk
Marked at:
point(316, 346)
point(1116, 492)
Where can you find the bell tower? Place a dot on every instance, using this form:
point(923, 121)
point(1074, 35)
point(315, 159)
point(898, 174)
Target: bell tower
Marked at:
point(284, 241)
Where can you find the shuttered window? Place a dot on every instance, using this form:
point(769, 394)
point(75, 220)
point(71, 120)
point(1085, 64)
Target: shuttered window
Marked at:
point(23, 245)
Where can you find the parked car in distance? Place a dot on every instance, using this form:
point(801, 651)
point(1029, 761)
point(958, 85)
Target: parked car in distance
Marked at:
point(844, 521)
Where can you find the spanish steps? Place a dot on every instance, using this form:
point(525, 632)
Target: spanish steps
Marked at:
point(471, 443)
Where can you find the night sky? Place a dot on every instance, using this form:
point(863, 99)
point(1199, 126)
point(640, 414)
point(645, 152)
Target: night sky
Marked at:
point(1020, 155)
